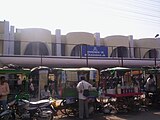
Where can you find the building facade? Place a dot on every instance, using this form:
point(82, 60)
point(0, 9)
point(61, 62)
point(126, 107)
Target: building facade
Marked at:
point(38, 42)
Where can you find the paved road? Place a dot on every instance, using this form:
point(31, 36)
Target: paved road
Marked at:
point(150, 115)
point(142, 115)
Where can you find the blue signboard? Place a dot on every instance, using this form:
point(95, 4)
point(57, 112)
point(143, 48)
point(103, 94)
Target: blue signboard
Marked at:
point(94, 51)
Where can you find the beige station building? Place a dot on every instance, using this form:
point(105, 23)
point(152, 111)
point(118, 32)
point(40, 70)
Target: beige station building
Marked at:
point(35, 46)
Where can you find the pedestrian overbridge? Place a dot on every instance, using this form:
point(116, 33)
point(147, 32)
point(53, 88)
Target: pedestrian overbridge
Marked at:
point(73, 61)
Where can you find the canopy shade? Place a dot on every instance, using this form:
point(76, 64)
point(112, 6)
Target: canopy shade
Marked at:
point(39, 68)
point(116, 69)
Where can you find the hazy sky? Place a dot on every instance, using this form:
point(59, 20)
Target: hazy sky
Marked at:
point(140, 18)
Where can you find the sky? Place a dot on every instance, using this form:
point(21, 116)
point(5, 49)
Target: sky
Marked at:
point(140, 18)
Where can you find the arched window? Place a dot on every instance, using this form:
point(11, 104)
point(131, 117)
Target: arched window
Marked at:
point(36, 48)
point(76, 51)
point(120, 52)
point(151, 53)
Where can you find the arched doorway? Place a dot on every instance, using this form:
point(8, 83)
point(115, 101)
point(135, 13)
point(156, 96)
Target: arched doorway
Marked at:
point(152, 53)
point(76, 51)
point(120, 52)
point(36, 48)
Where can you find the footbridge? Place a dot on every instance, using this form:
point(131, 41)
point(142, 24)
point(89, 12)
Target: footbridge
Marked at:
point(73, 61)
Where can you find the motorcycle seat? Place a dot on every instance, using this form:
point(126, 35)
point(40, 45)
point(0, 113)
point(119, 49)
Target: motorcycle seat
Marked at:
point(40, 102)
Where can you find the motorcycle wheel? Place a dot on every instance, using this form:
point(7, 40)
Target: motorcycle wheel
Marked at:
point(106, 110)
point(6, 117)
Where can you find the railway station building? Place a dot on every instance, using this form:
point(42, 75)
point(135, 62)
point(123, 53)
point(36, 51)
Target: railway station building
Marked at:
point(80, 48)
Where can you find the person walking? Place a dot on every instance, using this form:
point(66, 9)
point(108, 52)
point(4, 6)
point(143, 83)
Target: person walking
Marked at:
point(4, 91)
point(83, 101)
point(151, 88)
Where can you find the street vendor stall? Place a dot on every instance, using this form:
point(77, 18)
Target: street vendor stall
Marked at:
point(67, 79)
point(62, 81)
point(62, 84)
point(122, 92)
point(17, 78)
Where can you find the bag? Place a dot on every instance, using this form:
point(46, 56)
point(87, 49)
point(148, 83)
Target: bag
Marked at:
point(86, 93)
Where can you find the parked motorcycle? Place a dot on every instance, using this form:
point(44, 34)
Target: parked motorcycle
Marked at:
point(6, 115)
point(26, 110)
point(45, 109)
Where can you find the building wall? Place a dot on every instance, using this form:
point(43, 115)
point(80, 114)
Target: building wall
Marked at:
point(1, 47)
point(34, 35)
point(147, 44)
point(6, 42)
point(77, 38)
point(4, 37)
point(1, 27)
point(116, 41)
point(1, 36)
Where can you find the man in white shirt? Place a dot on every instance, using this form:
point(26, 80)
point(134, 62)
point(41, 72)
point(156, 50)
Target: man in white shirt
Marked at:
point(83, 102)
point(150, 84)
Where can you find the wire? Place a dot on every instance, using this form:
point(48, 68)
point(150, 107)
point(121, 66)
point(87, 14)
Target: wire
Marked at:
point(140, 11)
point(152, 2)
point(142, 5)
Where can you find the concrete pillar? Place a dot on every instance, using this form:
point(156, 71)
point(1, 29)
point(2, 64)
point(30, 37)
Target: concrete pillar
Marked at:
point(97, 38)
point(58, 42)
point(6, 38)
point(131, 44)
point(11, 41)
point(158, 54)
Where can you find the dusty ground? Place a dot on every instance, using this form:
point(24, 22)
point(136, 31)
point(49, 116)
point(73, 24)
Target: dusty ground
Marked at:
point(153, 114)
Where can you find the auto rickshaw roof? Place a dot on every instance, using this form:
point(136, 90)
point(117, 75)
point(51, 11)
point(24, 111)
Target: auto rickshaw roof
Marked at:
point(117, 69)
point(76, 69)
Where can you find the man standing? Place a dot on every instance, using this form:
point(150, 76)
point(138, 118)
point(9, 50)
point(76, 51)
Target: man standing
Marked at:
point(83, 102)
point(4, 91)
point(150, 84)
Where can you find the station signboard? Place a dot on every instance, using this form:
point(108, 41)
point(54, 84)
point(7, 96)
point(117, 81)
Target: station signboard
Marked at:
point(94, 51)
